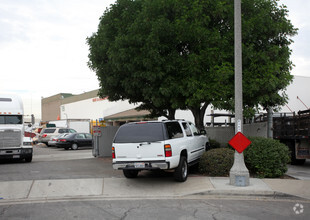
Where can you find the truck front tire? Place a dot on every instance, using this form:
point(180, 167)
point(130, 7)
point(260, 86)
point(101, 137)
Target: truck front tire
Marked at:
point(181, 172)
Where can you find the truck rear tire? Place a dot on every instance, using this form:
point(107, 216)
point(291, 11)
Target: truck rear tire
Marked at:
point(181, 172)
point(130, 173)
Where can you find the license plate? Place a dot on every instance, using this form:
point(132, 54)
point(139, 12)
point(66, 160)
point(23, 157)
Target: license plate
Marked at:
point(139, 165)
point(16, 156)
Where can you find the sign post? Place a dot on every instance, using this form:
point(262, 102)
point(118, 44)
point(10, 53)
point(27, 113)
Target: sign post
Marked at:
point(239, 174)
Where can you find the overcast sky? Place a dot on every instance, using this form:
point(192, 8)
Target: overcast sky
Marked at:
point(43, 48)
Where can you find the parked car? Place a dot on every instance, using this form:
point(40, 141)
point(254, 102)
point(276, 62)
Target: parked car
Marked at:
point(150, 145)
point(75, 141)
point(53, 140)
point(47, 133)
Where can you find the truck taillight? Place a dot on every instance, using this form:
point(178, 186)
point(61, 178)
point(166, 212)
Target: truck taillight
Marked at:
point(113, 152)
point(44, 135)
point(168, 151)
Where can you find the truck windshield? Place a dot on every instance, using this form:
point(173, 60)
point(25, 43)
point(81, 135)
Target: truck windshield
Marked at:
point(11, 119)
point(139, 132)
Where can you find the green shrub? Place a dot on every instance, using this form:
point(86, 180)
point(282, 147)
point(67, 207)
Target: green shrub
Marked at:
point(213, 144)
point(216, 162)
point(266, 157)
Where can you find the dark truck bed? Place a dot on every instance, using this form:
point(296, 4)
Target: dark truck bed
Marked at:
point(293, 130)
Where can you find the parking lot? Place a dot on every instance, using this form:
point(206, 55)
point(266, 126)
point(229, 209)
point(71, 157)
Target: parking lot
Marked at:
point(57, 163)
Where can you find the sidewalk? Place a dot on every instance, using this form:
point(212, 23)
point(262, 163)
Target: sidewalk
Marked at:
point(113, 188)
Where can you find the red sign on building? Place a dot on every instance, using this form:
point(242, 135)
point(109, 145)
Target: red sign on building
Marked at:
point(239, 142)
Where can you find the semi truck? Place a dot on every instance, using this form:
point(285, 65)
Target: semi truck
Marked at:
point(13, 143)
point(294, 130)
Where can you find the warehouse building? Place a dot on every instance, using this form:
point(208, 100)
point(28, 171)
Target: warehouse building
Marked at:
point(89, 106)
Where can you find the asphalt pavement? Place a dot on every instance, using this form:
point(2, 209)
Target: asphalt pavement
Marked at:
point(145, 186)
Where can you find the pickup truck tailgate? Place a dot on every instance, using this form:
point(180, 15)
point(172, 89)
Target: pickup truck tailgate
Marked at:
point(145, 151)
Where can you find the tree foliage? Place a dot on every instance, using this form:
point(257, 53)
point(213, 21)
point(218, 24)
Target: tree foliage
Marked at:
point(179, 54)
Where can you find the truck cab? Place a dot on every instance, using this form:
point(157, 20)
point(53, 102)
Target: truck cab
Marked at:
point(13, 143)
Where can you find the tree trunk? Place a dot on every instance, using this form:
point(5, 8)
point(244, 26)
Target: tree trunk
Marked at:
point(171, 114)
point(269, 122)
point(199, 114)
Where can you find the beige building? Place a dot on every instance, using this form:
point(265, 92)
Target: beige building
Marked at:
point(50, 107)
point(89, 106)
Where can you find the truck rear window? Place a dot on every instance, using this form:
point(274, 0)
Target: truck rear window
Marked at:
point(174, 130)
point(139, 132)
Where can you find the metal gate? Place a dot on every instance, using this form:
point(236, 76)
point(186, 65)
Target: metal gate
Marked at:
point(102, 140)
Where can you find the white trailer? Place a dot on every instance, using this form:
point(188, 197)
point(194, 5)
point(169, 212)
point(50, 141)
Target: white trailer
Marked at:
point(13, 143)
point(80, 125)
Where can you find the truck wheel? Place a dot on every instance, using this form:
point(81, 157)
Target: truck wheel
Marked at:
point(130, 173)
point(28, 159)
point(181, 172)
point(74, 146)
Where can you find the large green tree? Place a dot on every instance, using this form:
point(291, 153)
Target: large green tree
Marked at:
point(179, 54)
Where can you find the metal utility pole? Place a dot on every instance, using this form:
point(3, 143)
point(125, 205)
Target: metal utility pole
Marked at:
point(239, 174)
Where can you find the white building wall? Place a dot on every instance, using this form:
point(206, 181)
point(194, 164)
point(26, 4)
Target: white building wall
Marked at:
point(93, 108)
point(96, 108)
point(299, 87)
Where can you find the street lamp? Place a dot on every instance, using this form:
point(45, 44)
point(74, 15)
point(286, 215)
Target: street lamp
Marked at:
point(239, 174)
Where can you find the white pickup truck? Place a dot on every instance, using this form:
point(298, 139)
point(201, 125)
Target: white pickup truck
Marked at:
point(149, 145)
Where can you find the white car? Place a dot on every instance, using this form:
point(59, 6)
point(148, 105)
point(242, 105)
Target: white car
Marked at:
point(149, 145)
point(53, 140)
point(47, 133)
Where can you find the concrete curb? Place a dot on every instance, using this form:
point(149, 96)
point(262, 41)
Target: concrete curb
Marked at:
point(146, 188)
point(211, 194)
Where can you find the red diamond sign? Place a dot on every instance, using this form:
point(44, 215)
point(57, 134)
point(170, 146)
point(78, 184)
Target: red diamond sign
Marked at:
point(239, 142)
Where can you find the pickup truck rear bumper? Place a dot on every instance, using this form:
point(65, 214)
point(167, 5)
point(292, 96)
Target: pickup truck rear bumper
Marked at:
point(141, 165)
